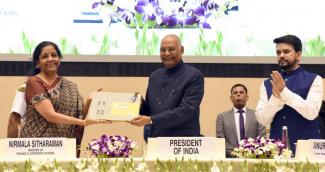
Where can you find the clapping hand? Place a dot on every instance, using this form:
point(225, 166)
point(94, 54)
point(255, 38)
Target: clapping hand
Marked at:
point(278, 84)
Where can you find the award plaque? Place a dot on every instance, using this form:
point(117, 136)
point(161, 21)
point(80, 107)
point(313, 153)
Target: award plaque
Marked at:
point(114, 106)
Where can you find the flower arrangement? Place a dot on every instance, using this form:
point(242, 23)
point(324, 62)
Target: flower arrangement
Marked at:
point(165, 13)
point(112, 146)
point(94, 165)
point(261, 148)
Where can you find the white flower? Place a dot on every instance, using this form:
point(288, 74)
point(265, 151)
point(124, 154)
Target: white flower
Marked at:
point(259, 152)
point(125, 4)
point(89, 170)
point(251, 140)
point(37, 165)
point(263, 140)
point(94, 164)
point(158, 20)
point(119, 144)
point(241, 142)
point(48, 164)
point(286, 154)
point(142, 167)
point(113, 169)
point(109, 145)
point(104, 12)
point(133, 145)
point(284, 169)
point(261, 147)
point(169, 7)
point(80, 165)
point(59, 170)
point(9, 170)
point(215, 168)
point(322, 169)
point(95, 147)
point(266, 148)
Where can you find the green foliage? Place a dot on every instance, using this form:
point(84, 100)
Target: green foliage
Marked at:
point(182, 165)
point(103, 164)
point(315, 47)
point(181, 36)
point(28, 44)
point(146, 44)
point(264, 167)
point(104, 49)
point(63, 45)
point(128, 164)
point(305, 167)
point(146, 38)
point(75, 50)
point(67, 48)
point(209, 48)
point(11, 51)
point(244, 166)
point(28, 165)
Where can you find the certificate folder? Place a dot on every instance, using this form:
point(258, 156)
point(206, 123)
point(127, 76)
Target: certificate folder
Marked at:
point(114, 106)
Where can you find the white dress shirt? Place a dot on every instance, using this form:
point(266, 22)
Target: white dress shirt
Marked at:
point(308, 108)
point(237, 121)
point(19, 103)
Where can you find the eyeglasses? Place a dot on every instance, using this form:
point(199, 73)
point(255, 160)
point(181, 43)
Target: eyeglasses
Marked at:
point(169, 49)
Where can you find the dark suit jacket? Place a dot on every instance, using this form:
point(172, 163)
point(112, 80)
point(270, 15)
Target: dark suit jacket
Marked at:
point(226, 128)
point(173, 101)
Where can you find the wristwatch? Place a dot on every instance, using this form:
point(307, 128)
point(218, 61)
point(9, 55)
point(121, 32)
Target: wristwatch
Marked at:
point(150, 120)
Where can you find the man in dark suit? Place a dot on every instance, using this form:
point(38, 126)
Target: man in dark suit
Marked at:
point(239, 122)
point(174, 95)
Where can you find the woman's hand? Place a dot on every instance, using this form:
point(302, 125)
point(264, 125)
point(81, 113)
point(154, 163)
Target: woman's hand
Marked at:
point(88, 102)
point(90, 96)
point(98, 121)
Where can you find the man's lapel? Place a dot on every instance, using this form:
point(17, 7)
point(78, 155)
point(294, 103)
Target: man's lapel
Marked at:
point(232, 120)
point(249, 119)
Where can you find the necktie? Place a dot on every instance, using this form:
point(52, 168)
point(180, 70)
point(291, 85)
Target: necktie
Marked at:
point(241, 124)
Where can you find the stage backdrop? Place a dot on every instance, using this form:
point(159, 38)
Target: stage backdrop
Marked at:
point(135, 27)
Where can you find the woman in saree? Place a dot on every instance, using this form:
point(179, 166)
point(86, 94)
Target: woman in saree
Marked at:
point(54, 105)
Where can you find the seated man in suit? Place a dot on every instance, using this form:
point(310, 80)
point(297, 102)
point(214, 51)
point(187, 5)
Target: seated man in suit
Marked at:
point(239, 122)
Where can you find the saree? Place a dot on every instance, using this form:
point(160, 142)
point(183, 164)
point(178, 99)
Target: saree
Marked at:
point(66, 100)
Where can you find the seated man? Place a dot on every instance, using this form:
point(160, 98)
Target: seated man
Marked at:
point(239, 122)
point(17, 112)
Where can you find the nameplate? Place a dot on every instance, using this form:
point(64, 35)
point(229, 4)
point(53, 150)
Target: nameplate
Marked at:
point(203, 148)
point(313, 149)
point(23, 148)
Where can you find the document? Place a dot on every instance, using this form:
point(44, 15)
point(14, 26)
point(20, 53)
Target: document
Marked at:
point(115, 106)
